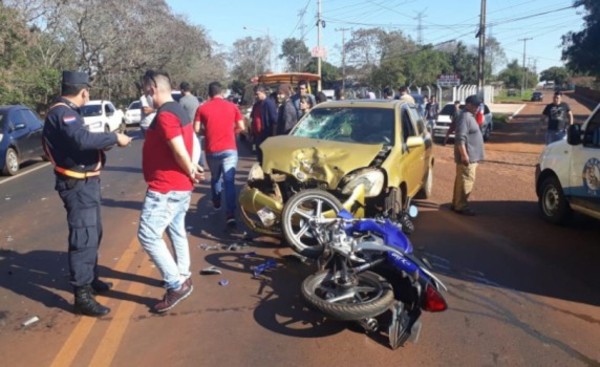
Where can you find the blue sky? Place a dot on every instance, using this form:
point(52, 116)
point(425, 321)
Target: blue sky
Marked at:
point(442, 20)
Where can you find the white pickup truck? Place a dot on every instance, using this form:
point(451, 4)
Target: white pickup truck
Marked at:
point(102, 116)
point(568, 173)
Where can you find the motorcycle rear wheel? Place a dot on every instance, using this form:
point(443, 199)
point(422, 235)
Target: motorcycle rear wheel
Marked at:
point(370, 296)
point(305, 205)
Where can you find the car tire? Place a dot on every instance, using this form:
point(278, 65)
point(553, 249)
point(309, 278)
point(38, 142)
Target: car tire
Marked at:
point(552, 203)
point(11, 162)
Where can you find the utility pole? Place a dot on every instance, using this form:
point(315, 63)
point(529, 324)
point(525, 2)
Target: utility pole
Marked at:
point(481, 58)
point(343, 30)
point(319, 23)
point(524, 70)
point(419, 19)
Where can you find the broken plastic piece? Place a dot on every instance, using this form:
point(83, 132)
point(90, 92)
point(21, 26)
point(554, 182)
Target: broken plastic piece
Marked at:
point(211, 270)
point(30, 321)
point(250, 254)
point(223, 282)
point(259, 269)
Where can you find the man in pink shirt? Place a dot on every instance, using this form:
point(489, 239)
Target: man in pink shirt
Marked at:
point(219, 121)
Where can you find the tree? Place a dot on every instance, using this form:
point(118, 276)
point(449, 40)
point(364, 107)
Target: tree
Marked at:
point(330, 74)
point(495, 55)
point(559, 75)
point(512, 76)
point(581, 50)
point(295, 53)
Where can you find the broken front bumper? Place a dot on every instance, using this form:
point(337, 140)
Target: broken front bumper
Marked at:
point(262, 213)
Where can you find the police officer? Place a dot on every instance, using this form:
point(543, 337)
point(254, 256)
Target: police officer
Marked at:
point(78, 156)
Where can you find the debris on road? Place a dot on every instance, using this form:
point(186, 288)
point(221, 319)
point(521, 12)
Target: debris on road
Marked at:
point(250, 254)
point(223, 282)
point(211, 270)
point(296, 257)
point(267, 265)
point(206, 247)
point(30, 321)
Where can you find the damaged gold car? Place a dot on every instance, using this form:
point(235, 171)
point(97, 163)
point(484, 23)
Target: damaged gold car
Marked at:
point(369, 157)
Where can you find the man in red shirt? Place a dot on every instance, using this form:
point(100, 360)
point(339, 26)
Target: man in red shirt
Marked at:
point(219, 121)
point(170, 173)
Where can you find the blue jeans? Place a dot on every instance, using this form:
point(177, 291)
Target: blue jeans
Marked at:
point(166, 212)
point(222, 167)
point(554, 135)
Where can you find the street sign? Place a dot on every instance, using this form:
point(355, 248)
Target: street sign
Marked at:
point(316, 52)
point(448, 80)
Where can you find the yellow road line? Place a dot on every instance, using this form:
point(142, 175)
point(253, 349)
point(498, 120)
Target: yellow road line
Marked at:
point(107, 350)
point(75, 341)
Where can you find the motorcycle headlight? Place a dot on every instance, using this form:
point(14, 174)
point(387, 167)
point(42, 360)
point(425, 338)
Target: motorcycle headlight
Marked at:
point(372, 179)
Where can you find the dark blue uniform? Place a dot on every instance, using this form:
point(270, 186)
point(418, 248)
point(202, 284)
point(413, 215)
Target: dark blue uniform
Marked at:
point(78, 155)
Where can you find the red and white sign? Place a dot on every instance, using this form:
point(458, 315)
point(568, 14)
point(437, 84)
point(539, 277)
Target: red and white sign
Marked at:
point(319, 51)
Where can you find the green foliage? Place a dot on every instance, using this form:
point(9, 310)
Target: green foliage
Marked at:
point(558, 75)
point(295, 53)
point(581, 50)
point(330, 74)
point(512, 76)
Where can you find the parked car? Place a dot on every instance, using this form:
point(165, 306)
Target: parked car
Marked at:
point(102, 116)
point(444, 119)
point(20, 137)
point(133, 115)
point(568, 173)
point(372, 155)
point(537, 97)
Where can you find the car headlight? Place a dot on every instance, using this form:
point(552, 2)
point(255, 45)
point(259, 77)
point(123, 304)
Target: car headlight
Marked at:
point(372, 180)
point(256, 173)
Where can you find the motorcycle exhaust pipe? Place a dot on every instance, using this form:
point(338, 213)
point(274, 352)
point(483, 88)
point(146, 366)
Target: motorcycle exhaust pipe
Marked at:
point(369, 324)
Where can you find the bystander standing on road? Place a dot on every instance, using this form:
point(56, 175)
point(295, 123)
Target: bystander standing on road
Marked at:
point(556, 116)
point(148, 112)
point(77, 155)
point(303, 100)
point(219, 121)
point(170, 173)
point(404, 96)
point(468, 152)
point(388, 93)
point(432, 109)
point(338, 94)
point(321, 97)
point(455, 115)
point(286, 116)
point(190, 104)
point(264, 112)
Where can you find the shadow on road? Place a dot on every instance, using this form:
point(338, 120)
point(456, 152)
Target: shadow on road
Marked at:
point(527, 255)
point(39, 275)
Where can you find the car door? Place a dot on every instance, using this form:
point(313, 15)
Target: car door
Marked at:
point(584, 185)
point(19, 132)
point(109, 113)
point(35, 126)
point(413, 157)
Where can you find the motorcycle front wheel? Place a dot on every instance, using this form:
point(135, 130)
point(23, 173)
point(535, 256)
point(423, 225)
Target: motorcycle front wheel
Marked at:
point(367, 296)
point(298, 211)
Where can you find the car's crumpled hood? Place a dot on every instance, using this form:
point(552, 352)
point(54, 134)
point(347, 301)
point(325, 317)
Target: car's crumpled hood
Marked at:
point(306, 158)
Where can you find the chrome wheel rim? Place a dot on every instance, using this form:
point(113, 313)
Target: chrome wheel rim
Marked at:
point(12, 161)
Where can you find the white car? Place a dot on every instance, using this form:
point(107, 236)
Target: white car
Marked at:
point(101, 116)
point(568, 173)
point(445, 118)
point(133, 115)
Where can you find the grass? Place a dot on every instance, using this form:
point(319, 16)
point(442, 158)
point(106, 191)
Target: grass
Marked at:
point(502, 97)
point(500, 119)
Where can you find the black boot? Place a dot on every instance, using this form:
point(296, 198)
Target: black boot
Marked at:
point(99, 286)
point(85, 303)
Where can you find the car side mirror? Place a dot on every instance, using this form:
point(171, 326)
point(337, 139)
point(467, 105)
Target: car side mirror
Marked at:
point(574, 134)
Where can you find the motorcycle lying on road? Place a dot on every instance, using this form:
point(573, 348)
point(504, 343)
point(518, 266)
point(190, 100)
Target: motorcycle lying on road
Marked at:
point(367, 267)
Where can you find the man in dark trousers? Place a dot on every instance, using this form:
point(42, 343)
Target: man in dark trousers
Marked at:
point(556, 116)
point(78, 156)
point(267, 115)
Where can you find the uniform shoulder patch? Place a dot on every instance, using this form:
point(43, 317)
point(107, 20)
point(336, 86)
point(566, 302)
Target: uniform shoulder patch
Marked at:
point(69, 119)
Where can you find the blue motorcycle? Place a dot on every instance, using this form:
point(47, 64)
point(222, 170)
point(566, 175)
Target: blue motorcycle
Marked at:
point(366, 268)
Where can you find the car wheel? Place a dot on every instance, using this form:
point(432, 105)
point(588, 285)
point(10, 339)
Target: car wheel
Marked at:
point(427, 188)
point(554, 208)
point(11, 162)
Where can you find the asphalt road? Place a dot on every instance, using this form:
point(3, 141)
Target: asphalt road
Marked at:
point(521, 292)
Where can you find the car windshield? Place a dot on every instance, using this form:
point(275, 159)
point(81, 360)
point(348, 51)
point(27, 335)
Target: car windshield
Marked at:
point(352, 125)
point(136, 105)
point(91, 110)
